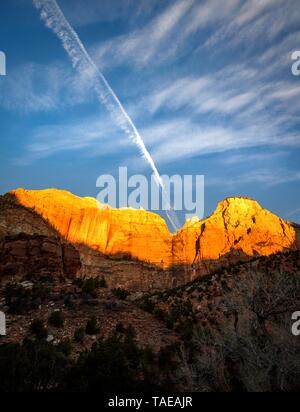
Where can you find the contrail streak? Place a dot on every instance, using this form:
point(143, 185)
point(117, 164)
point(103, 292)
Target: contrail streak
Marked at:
point(82, 61)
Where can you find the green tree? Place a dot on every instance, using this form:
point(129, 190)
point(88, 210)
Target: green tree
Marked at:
point(56, 319)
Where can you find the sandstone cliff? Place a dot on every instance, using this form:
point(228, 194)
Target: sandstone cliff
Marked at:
point(134, 249)
point(124, 232)
point(237, 224)
point(30, 247)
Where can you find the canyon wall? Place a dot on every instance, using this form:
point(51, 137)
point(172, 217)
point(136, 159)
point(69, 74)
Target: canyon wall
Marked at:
point(30, 247)
point(134, 248)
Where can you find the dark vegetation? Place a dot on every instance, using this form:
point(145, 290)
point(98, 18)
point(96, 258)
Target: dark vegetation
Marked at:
point(20, 299)
point(90, 285)
point(56, 319)
point(115, 363)
point(120, 293)
point(91, 326)
point(234, 328)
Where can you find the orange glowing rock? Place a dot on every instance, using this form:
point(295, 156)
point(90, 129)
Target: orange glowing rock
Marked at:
point(237, 223)
point(138, 233)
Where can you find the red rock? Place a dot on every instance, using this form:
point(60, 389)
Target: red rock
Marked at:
point(133, 248)
point(238, 224)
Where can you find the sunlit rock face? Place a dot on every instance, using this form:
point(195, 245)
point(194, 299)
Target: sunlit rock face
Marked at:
point(136, 233)
point(238, 225)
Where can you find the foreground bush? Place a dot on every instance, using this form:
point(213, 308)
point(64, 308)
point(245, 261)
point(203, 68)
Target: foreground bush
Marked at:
point(113, 364)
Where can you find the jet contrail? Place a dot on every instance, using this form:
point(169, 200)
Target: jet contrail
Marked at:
point(82, 61)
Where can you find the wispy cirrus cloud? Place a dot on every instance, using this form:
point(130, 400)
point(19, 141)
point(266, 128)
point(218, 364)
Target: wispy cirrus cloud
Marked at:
point(256, 20)
point(207, 13)
point(176, 140)
point(203, 95)
point(237, 94)
point(201, 108)
point(141, 46)
point(37, 87)
point(262, 176)
point(93, 136)
point(101, 11)
point(277, 56)
point(169, 36)
point(262, 157)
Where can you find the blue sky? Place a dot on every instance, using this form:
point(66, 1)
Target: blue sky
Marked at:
point(207, 83)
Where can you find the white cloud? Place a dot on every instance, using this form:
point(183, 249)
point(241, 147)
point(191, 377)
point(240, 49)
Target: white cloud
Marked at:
point(36, 88)
point(245, 106)
point(141, 46)
point(265, 177)
point(257, 22)
point(177, 94)
point(254, 8)
point(235, 23)
point(262, 157)
point(106, 10)
point(237, 90)
point(278, 55)
point(209, 12)
point(176, 140)
point(94, 136)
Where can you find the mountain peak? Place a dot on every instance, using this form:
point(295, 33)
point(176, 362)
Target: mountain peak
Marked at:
point(238, 224)
point(241, 203)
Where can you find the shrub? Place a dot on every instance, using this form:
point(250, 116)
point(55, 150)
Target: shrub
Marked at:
point(56, 319)
point(33, 366)
point(17, 298)
point(159, 313)
point(65, 347)
point(166, 358)
point(90, 285)
point(79, 335)
point(111, 363)
point(92, 326)
point(69, 301)
point(38, 329)
point(147, 305)
point(120, 328)
point(128, 332)
point(115, 362)
point(20, 300)
point(102, 283)
point(120, 293)
point(148, 355)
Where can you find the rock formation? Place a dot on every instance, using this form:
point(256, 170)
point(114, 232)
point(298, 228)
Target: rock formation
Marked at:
point(84, 221)
point(30, 247)
point(134, 248)
point(238, 224)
